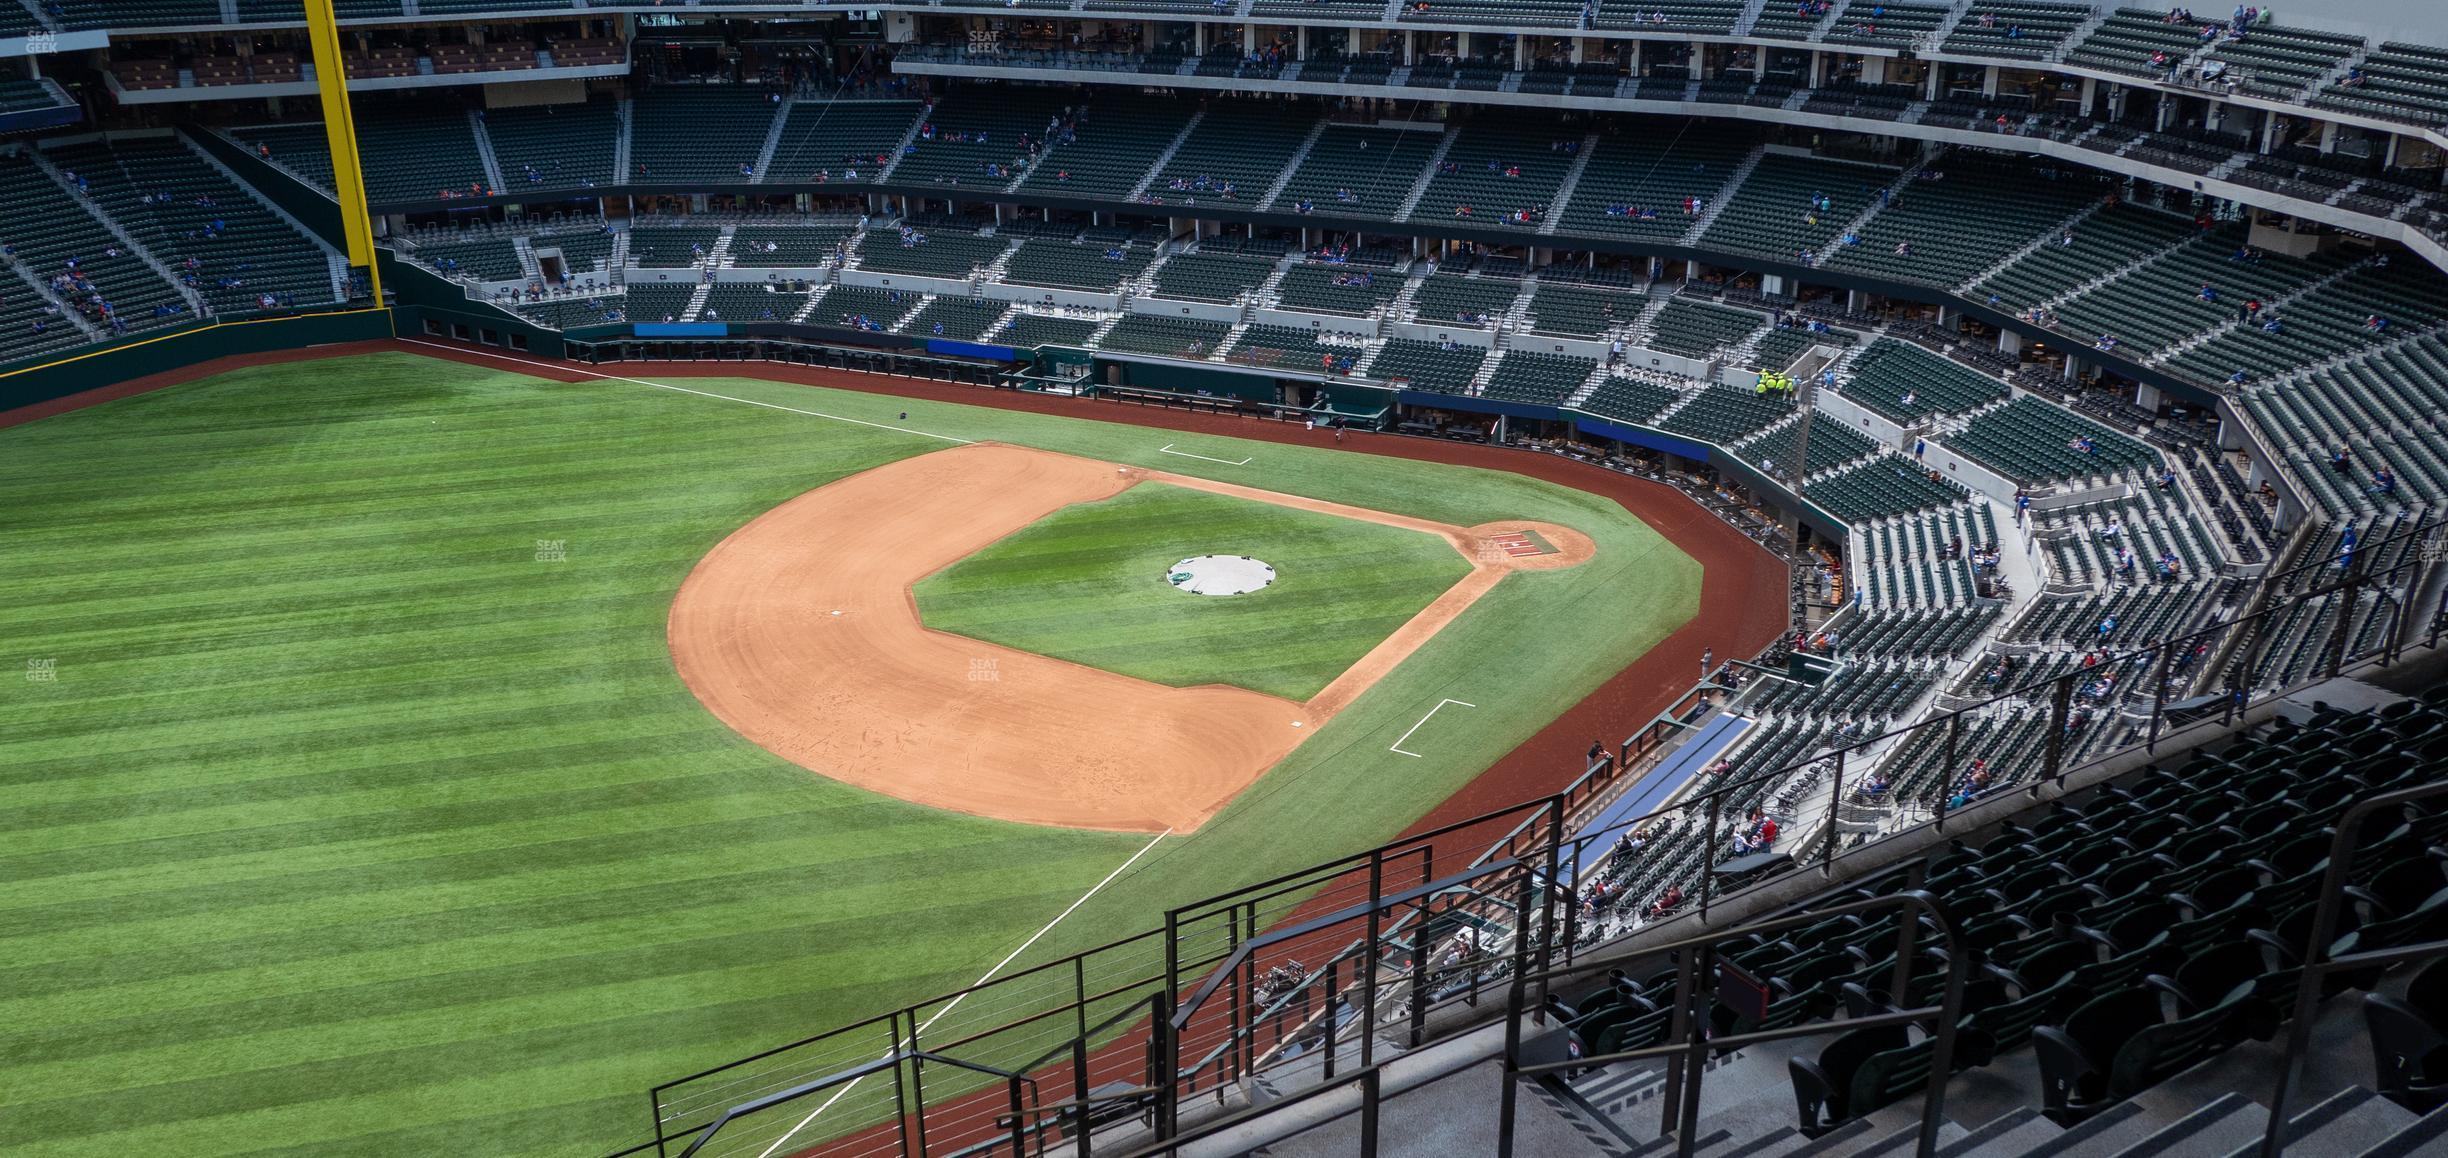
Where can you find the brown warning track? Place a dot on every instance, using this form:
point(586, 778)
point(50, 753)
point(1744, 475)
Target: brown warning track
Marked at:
point(801, 631)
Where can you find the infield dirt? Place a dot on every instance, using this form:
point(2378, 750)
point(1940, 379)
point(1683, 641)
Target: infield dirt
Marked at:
point(801, 632)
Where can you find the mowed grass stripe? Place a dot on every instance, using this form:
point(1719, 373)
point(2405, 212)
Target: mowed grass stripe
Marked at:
point(349, 828)
point(1089, 584)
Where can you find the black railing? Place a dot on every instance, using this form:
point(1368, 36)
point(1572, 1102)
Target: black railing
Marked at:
point(1374, 919)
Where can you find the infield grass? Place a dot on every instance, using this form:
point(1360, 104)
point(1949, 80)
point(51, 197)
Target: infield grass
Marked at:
point(1088, 584)
point(362, 811)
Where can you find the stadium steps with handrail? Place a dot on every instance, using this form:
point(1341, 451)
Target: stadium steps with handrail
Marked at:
point(1723, 197)
point(484, 151)
point(1419, 188)
point(271, 206)
point(621, 137)
point(1292, 164)
point(2071, 223)
point(773, 138)
point(1165, 158)
point(194, 300)
point(1895, 188)
point(1571, 181)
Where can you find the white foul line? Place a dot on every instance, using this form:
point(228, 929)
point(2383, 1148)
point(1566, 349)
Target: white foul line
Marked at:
point(571, 369)
point(1398, 744)
point(964, 994)
point(1168, 449)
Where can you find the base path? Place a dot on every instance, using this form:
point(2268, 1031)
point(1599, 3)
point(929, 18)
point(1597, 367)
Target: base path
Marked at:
point(801, 632)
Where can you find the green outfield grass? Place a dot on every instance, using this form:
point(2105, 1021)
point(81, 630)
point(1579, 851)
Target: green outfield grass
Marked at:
point(1087, 584)
point(362, 811)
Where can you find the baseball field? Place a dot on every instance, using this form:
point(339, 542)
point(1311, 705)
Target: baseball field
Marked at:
point(405, 756)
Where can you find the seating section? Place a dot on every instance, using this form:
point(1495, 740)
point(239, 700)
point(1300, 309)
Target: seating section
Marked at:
point(787, 246)
point(1880, 24)
point(1701, 16)
point(2404, 296)
point(1209, 277)
point(577, 313)
point(1360, 171)
point(300, 149)
point(1724, 414)
point(1428, 366)
point(1832, 445)
point(658, 302)
point(1028, 331)
point(44, 235)
point(1885, 486)
point(2130, 37)
point(1542, 379)
point(1637, 184)
point(1234, 154)
point(481, 258)
point(750, 302)
point(1109, 148)
point(928, 252)
point(862, 307)
point(1908, 384)
point(2398, 82)
point(2161, 303)
point(1172, 337)
point(1501, 171)
point(840, 142)
point(1572, 310)
point(1551, 13)
point(1337, 289)
point(698, 133)
point(981, 137)
point(236, 251)
point(1074, 266)
point(1452, 299)
point(1291, 349)
point(2113, 237)
point(2030, 29)
point(544, 147)
point(671, 247)
point(956, 319)
point(1697, 330)
point(2380, 409)
point(2031, 442)
point(1773, 211)
point(409, 153)
point(1625, 398)
point(1942, 232)
point(2280, 63)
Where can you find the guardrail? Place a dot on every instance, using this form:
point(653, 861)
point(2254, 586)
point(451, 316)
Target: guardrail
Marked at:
point(1412, 935)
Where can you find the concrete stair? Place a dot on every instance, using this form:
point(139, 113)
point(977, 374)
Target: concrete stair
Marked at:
point(484, 151)
point(1419, 188)
point(1723, 197)
point(1300, 154)
point(1157, 167)
point(1572, 181)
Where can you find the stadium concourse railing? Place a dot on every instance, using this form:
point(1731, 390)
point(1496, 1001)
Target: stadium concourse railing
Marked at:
point(1307, 974)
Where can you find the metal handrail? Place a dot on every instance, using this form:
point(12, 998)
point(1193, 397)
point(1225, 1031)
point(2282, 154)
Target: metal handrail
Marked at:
point(1683, 1088)
point(1554, 809)
point(2318, 963)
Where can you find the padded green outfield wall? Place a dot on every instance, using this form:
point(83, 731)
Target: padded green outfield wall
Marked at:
point(98, 367)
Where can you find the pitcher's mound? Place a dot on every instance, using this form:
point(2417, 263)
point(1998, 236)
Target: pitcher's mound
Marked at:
point(1219, 575)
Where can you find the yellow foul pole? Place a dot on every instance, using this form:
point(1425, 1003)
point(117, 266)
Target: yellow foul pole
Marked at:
point(341, 128)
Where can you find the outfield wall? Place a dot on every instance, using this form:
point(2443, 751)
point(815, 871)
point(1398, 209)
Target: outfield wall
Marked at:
point(95, 369)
